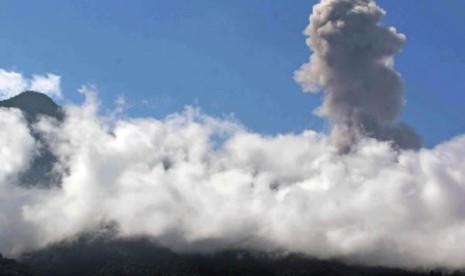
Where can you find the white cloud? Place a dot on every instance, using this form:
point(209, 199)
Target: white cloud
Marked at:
point(172, 180)
point(13, 83)
point(16, 149)
point(49, 84)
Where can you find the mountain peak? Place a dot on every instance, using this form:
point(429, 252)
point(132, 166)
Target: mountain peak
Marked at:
point(33, 104)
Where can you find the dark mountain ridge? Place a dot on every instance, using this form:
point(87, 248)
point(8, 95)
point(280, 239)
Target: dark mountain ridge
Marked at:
point(100, 255)
point(34, 105)
point(9, 267)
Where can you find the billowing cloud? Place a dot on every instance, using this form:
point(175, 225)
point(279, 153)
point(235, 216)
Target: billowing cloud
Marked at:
point(16, 149)
point(49, 84)
point(193, 182)
point(13, 83)
point(352, 62)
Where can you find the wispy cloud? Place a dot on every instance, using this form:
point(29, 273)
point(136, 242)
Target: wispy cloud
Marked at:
point(13, 83)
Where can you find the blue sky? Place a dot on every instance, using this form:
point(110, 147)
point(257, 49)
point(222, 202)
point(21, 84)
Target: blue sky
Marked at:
point(226, 57)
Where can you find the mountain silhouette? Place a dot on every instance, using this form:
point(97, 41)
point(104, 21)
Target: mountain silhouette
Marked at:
point(97, 255)
point(9, 267)
point(35, 105)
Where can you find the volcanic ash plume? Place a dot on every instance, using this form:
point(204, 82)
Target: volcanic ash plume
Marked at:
point(352, 61)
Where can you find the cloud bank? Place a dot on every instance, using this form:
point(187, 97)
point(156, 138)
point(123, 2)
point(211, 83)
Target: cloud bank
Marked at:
point(13, 83)
point(193, 182)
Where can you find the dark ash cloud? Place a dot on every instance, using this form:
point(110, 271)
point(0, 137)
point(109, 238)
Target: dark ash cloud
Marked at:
point(352, 61)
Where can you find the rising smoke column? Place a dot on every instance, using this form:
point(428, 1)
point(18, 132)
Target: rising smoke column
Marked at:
point(352, 61)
